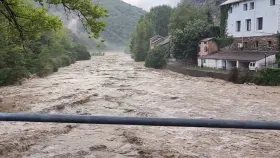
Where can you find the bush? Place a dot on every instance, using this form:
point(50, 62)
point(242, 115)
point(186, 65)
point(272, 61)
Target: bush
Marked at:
point(266, 77)
point(156, 58)
point(82, 52)
point(73, 55)
point(44, 69)
point(66, 60)
point(12, 75)
point(270, 77)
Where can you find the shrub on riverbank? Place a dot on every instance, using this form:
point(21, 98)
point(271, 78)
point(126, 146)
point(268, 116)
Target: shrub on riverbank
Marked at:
point(156, 58)
point(265, 77)
point(41, 56)
point(82, 52)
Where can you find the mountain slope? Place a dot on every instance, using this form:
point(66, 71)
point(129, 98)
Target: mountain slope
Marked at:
point(121, 22)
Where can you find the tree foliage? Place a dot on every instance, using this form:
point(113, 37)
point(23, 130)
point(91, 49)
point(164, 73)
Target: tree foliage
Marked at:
point(160, 17)
point(47, 45)
point(42, 56)
point(26, 19)
point(185, 13)
point(140, 41)
point(186, 41)
point(154, 22)
point(187, 24)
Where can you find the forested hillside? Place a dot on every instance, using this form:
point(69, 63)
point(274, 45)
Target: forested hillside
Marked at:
point(121, 22)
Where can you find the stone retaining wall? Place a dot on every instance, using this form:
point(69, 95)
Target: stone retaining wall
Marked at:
point(180, 68)
point(261, 43)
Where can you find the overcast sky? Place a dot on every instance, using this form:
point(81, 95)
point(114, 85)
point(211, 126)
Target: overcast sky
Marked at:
point(147, 4)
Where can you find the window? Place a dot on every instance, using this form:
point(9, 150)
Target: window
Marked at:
point(203, 61)
point(257, 44)
point(205, 49)
point(272, 2)
point(252, 5)
point(248, 24)
point(238, 26)
point(269, 43)
point(230, 10)
point(245, 7)
point(259, 23)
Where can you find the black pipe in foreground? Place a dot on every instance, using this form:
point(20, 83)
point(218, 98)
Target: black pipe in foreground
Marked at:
point(20, 117)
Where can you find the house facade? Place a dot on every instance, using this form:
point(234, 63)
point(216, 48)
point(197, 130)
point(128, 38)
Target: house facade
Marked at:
point(250, 18)
point(253, 24)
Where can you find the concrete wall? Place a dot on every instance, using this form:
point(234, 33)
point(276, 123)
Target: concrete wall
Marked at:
point(198, 73)
point(269, 60)
point(263, 9)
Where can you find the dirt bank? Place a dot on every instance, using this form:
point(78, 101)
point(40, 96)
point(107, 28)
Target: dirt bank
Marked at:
point(115, 85)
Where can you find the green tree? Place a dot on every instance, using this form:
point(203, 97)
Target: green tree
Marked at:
point(22, 16)
point(186, 41)
point(140, 41)
point(160, 17)
point(183, 14)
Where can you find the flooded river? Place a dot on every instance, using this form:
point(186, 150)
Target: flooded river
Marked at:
point(114, 85)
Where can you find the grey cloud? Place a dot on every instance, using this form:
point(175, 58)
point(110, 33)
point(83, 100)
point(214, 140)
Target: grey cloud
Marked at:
point(147, 4)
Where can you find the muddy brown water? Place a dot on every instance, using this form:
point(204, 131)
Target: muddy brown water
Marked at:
point(114, 85)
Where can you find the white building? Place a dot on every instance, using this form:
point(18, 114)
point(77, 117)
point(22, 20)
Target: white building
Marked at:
point(247, 18)
point(243, 60)
point(252, 24)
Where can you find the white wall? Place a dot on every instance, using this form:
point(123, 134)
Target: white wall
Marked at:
point(269, 60)
point(198, 62)
point(220, 64)
point(263, 9)
point(211, 63)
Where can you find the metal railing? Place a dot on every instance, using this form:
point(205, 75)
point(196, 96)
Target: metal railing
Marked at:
point(171, 122)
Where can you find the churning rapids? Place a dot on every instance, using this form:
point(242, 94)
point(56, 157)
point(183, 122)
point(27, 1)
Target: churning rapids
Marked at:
point(114, 85)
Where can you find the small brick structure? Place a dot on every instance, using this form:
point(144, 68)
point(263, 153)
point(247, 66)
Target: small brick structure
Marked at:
point(207, 46)
point(261, 43)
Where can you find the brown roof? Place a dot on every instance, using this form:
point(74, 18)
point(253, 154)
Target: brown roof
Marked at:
point(239, 55)
point(156, 37)
point(165, 41)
